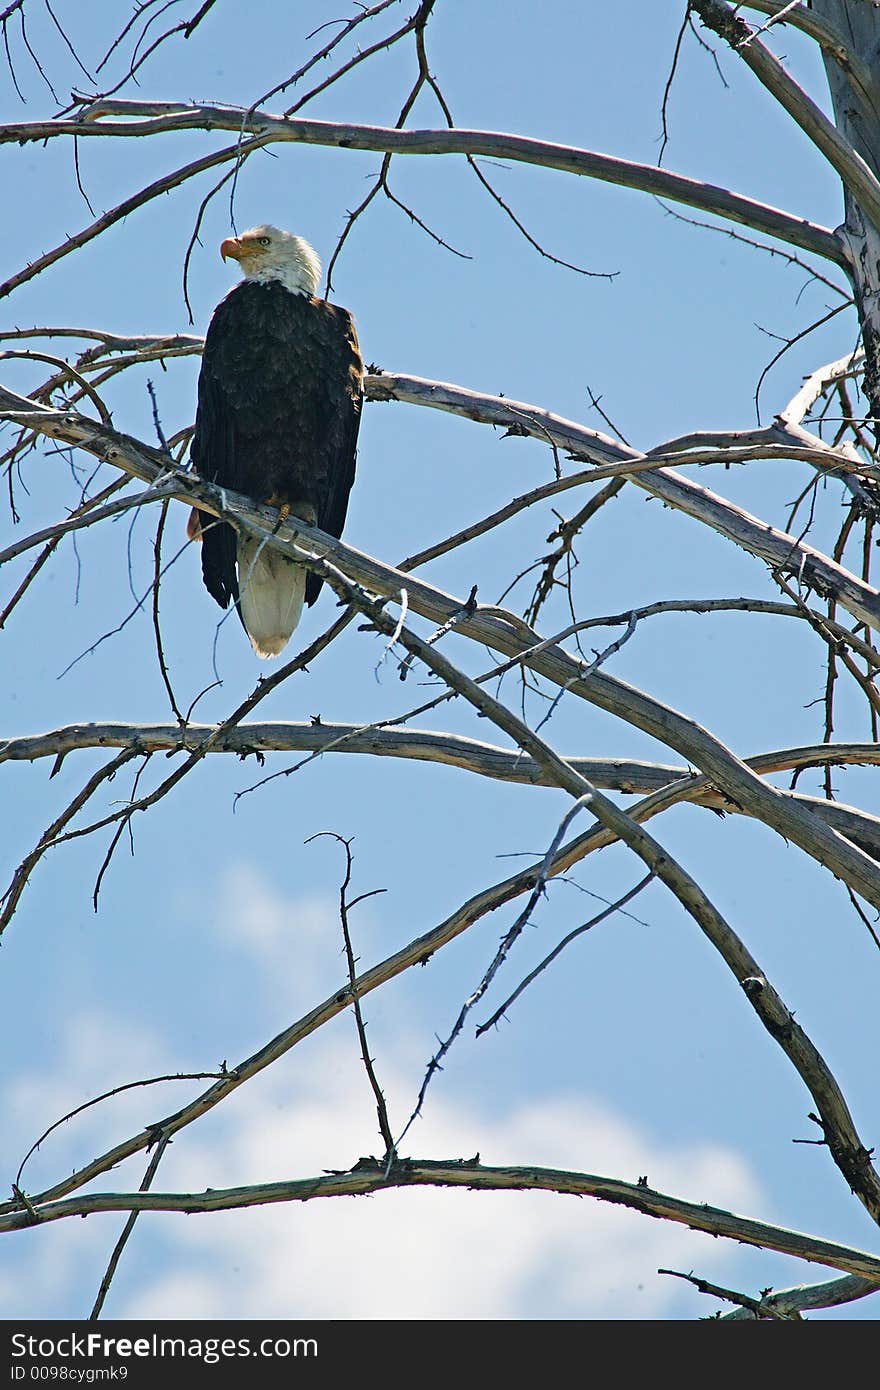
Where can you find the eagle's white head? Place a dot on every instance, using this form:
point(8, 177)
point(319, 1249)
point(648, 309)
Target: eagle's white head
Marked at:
point(267, 253)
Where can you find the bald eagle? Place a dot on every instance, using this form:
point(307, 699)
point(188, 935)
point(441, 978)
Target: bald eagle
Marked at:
point(278, 414)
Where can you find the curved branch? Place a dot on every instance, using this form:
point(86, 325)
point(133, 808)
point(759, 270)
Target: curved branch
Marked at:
point(853, 171)
point(776, 547)
point(850, 1155)
point(238, 150)
point(829, 1294)
point(674, 783)
point(505, 632)
point(418, 951)
point(160, 493)
point(371, 1176)
point(154, 118)
point(829, 38)
point(816, 384)
point(628, 775)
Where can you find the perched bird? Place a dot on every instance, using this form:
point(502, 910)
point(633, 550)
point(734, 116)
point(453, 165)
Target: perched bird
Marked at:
point(278, 414)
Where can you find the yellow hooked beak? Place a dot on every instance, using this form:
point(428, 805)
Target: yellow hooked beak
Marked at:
point(232, 247)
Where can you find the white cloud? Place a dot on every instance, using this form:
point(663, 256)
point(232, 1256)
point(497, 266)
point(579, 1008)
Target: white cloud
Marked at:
point(55, 1270)
point(298, 941)
point(95, 1050)
point(417, 1253)
point(267, 920)
point(425, 1253)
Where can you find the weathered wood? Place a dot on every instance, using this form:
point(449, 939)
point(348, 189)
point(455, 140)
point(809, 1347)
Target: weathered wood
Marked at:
point(372, 1176)
point(855, 97)
point(629, 775)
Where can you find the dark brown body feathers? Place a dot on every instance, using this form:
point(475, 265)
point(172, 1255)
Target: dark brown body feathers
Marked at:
point(278, 414)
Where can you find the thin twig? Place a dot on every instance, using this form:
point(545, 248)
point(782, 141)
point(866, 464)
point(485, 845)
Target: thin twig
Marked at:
point(157, 631)
point(754, 1305)
point(146, 1184)
point(558, 949)
point(10, 899)
point(107, 1095)
point(508, 941)
point(344, 908)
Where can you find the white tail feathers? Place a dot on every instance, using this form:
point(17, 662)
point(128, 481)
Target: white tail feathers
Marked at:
point(271, 598)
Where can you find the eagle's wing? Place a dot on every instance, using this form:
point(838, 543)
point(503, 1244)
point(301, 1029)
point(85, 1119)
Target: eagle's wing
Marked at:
point(278, 415)
point(343, 359)
point(214, 450)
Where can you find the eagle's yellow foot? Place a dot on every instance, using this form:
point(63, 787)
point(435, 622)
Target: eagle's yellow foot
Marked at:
point(283, 512)
point(304, 511)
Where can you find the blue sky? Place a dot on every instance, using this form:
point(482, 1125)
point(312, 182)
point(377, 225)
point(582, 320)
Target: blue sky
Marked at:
point(637, 1053)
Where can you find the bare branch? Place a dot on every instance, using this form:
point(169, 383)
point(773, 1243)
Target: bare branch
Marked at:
point(731, 1296)
point(416, 952)
point(10, 899)
point(365, 13)
point(107, 1095)
point(830, 1294)
point(157, 631)
point(846, 1148)
point(505, 633)
point(818, 382)
point(160, 186)
point(344, 908)
point(186, 27)
point(773, 251)
point(56, 834)
point(548, 960)
point(790, 343)
point(146, 1184)
point(829, 38)
point(853, 170)
point(159, 117)
point(774, 546)
point(371, 1176)
point(245, 738)
point(82, 518)
point(508, 941)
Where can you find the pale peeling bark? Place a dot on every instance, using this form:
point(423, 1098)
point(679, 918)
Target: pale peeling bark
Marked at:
point(671, 783)
point(500, 630)
point(262, 129)
point(371, 1176)
point(855, 96)
point(849, 37)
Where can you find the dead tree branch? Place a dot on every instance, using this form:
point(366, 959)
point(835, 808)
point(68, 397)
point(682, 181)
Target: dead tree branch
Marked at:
point(371, 1176)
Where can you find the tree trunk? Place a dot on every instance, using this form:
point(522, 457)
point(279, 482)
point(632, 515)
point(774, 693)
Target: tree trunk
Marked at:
point(856, 101)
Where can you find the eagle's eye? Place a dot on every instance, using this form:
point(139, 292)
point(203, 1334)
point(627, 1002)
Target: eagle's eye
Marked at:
point(264, 240)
